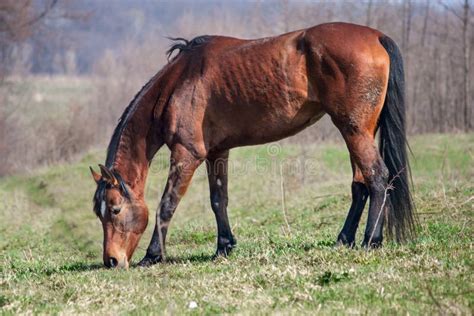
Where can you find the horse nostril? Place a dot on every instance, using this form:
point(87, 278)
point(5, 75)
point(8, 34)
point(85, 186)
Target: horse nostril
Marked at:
point(113, 262)
point(116, 209)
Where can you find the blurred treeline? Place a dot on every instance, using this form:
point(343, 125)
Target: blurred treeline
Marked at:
point(93, 56)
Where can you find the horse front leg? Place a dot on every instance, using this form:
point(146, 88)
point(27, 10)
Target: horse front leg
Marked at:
point(217, 169)
point(182, 167)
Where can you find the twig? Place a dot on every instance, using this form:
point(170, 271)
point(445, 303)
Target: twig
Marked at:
point(283, 200)
point(389, 187)
point(326, 195)
point(464, 226)
point(468, 200)
point(430, 293)
point(442, 174)
point(428, 213)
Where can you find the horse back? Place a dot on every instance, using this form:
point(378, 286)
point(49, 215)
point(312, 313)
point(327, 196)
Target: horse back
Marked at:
point(237, 92)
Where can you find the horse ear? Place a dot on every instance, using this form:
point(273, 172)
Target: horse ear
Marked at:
point(108, 176)
point(97, 177)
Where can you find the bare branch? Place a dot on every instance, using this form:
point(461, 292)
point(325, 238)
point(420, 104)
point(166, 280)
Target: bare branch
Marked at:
point(42, 14)
point(451, 10)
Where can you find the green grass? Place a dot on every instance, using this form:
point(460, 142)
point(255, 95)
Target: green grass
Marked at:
point(50, 241)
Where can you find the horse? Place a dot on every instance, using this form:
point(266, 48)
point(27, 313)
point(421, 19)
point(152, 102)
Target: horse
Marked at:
point(217, 93)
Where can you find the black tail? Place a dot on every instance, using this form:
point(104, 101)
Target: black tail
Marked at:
point(393, 148)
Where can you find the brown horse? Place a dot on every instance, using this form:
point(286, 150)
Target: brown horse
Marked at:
point(220, 92)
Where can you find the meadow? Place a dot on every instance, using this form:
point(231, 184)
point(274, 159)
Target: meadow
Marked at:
point(285, 218)
point(69, 68)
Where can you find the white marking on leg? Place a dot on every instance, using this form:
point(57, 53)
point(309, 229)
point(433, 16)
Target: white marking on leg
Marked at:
point(219, 182)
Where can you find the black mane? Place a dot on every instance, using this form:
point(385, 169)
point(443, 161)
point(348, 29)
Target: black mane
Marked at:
point(179, 44)
point(122, 122)
point(112, 149)
point(182, 44)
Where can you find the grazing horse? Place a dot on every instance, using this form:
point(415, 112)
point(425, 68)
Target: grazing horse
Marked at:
point(219, 92)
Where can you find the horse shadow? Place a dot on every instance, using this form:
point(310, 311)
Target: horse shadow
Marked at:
point(193, 258)
point(86, 267)
point(74, 267)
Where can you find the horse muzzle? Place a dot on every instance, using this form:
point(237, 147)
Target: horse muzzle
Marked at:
point(120, 262)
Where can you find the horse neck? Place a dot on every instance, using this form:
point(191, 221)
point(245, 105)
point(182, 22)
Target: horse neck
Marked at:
point(132, 164)
point(139, 139)
point(133, 153)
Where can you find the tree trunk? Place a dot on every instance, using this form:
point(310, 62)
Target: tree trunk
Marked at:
point(368, 21)
point(466, 51)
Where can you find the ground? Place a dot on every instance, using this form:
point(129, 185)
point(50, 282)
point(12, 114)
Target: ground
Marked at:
point(285, 261)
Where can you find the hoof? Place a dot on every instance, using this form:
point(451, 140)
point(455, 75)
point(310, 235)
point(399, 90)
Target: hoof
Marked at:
point(342, 240)
point(149, 261)
point(374, 243)
point(225, 249)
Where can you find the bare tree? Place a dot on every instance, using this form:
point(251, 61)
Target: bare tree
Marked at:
point(466, 52)
point(463, 15)
point(368, 21)
point(17, 20)
point(436, 38)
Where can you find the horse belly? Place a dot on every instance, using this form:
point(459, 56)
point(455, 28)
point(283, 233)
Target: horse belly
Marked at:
point(261, 126)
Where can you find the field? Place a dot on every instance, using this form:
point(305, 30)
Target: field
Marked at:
point(285, 260)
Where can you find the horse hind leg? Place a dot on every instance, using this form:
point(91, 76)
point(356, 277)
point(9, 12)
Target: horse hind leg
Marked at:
point(360, 194)
point(357, 119)
point(375, 173)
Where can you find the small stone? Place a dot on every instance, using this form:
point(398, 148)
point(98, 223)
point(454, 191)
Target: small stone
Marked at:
point(192, 305)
